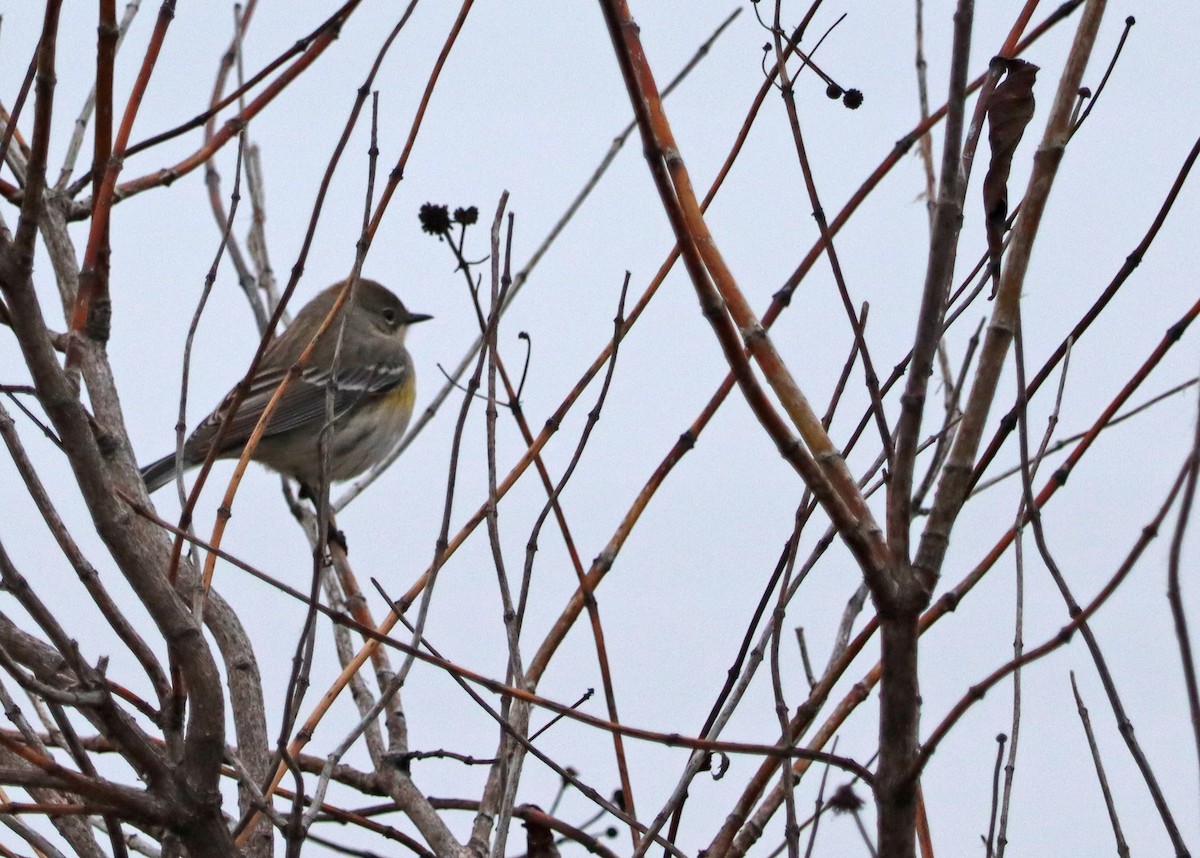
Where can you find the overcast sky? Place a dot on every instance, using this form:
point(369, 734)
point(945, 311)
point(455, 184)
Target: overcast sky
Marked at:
point(529, 102)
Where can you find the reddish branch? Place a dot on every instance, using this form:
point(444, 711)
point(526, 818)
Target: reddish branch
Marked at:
point(92, 305)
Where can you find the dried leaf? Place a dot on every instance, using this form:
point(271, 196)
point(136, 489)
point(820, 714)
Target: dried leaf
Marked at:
point(1009, 110)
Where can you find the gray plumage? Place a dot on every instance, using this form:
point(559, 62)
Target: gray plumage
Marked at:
point(373, 392)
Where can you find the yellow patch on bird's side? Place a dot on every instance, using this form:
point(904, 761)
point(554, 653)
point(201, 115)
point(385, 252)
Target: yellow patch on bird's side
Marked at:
point(405, 395)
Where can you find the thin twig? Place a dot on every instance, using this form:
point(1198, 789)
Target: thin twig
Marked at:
point(1122, 846)
point(1132, 261)
point(955, 482)
point(1175, 591)
point(871, 378)
point(1112, 63)
point(1071, 439)
point(520, 278)
point(990, 840)
point(89, 104)
point(947, 603)
point(84, 569)
point(791, 832)
point(1060, 639)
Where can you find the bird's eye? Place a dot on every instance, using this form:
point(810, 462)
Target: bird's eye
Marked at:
point(389, 315)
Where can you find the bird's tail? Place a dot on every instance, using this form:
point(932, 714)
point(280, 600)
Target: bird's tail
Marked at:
point(158, 474)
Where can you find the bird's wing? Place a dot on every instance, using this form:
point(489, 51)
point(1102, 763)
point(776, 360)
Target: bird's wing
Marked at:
point(302, 402)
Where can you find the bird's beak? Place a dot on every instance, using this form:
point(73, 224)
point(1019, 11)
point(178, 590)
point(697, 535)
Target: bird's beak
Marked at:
point(413, 318)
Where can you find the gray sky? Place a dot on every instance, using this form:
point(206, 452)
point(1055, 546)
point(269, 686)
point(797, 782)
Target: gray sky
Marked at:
point(529, 102)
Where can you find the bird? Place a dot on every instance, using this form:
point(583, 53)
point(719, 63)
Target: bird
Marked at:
point(373, 388)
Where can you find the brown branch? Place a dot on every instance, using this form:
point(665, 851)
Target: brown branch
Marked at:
point(946, 222)
point(946, 605)
point(956, 477)
point(821, 465)
point(781, 299)
point(977, 691)
point(593, 418)
point(818, 211)
point(521, 277)
point(132, 544)
point(132, 803)
point(779, 302)
point(212, 178)
point(621, 326)
point(79, 562)
point(1183, 636)
point(1132, 261)
point(227, 132)
point(89, 105)
point(297, 268)
point(93, 307)
point(10, 120)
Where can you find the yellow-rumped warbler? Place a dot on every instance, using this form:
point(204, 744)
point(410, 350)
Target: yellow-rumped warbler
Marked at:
point(374, 388)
